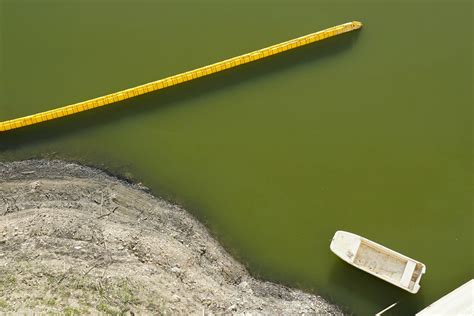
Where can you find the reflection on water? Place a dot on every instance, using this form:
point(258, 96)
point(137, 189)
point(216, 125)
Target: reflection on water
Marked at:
point(363, 292)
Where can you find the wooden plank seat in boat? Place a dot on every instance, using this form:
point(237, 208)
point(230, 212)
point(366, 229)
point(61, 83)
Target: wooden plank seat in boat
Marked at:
point(408, 273)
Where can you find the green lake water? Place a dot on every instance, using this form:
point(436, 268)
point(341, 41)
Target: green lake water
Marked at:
point(369, 132)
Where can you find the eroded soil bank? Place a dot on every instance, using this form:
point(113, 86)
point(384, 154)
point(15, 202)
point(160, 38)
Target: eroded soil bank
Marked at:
point(76, 240)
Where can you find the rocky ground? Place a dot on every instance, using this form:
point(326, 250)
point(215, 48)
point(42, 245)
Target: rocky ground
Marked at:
point(76, 240)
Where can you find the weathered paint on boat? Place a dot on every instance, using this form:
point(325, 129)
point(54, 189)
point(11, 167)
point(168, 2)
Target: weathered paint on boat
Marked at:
point(378, 260)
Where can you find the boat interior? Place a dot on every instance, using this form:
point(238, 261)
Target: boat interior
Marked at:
point(388, 265)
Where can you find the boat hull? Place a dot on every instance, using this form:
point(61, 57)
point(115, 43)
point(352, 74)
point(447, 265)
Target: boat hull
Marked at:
point(378, 260)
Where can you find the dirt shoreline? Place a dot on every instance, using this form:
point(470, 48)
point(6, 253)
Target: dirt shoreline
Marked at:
point(76, 240)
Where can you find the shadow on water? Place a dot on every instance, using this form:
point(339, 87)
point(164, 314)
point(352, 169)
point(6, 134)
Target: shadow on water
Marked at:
point(363, 287)
point(176, 95)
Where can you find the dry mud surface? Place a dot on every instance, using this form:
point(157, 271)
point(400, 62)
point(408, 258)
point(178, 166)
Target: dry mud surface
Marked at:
point(76, 240)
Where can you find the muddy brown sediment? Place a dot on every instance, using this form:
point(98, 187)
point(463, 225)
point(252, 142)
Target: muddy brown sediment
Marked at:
point(76, 240)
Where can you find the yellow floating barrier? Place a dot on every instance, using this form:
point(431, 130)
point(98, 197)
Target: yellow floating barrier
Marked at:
point(179, 78)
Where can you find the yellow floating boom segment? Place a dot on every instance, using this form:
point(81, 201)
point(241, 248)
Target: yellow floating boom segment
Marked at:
point(179, 78)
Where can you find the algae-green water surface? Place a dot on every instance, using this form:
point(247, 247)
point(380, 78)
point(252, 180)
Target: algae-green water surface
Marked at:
point(369, 132)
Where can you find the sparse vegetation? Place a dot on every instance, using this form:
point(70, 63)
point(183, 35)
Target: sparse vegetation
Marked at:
point(106, 308)
point(3, 304)
point(77, 241)
point(71, 311)
point(125, 293)
point(7, 281)
point(51, 301)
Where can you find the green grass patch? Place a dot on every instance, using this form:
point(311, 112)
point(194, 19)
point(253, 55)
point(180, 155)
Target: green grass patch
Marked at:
point(107, 309)
point(3, 304)
point(71, 311)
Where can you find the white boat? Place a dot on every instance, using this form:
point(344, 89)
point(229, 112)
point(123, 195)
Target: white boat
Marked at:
point(378, 260)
